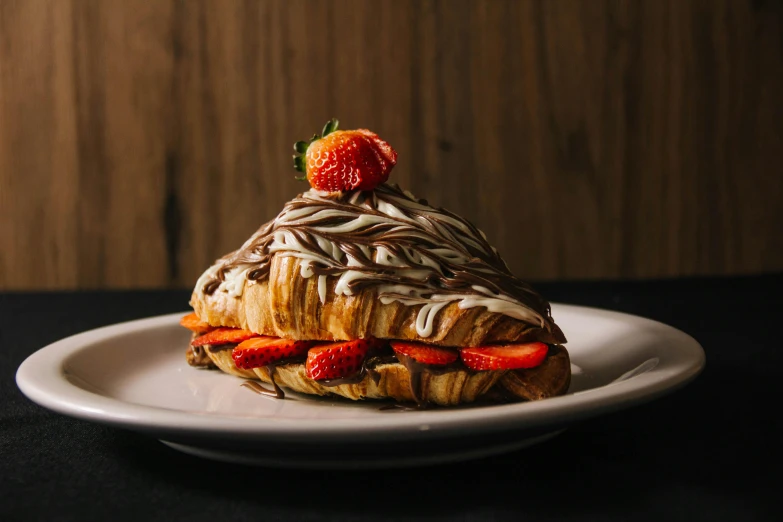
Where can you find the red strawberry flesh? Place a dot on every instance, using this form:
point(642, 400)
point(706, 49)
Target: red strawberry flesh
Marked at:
point(504, 357)
point(220, 336)
point(343, 160)
point(425, 353)
point(262, 351)
point(336, 360)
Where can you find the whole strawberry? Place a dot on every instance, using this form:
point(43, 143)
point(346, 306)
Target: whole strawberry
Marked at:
point(338, 160)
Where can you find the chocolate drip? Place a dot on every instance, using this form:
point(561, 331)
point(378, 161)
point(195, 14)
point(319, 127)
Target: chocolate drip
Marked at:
point(420, 374)
point(258, 388)
point(272, 368)
point(414, 234)
point(199, 355)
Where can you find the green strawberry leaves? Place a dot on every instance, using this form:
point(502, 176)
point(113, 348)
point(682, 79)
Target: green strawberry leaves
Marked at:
point(300, 147)
point(330, 127)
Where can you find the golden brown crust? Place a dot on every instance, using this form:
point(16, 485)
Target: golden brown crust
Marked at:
point(287, 305)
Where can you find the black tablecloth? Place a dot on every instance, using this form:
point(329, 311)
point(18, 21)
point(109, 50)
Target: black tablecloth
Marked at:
point(709, 451)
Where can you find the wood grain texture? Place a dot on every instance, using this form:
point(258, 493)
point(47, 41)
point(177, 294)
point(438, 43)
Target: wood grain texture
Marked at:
point(589, 138)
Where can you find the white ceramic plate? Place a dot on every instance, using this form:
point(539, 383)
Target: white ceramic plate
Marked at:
point(133, 375)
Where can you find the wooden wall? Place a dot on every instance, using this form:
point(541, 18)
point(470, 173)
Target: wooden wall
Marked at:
point(139, 140)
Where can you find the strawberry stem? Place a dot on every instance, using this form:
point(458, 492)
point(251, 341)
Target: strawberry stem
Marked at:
point(299, 163)
point(300, 147)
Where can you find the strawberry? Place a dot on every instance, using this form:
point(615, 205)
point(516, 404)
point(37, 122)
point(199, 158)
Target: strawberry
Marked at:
point(260, 351)
point(194, 324)
point(425, 353)
point(336, 360)
point(223, 336)
point(504, 357)
point(340, 160)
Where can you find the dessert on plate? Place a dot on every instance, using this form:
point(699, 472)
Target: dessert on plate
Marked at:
point(359, 289)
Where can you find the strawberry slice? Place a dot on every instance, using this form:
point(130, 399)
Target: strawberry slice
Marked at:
point(336, 360)
point(425, 353)
point(194, 324)
point(504, 357)
point(220, 336)
point(260, 351)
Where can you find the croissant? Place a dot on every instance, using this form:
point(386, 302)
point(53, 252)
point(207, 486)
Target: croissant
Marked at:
point(287, 305)
point(384, 265)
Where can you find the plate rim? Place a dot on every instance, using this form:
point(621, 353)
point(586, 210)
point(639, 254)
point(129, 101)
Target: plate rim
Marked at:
point(41, 377)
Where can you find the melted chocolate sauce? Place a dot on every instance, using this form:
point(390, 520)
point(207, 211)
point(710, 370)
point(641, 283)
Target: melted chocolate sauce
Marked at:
point(272, 369)
point(420, 373)
point(219, 347)
point(278, 392)
point(198, 355)
point(258, 388)
point(423, 232)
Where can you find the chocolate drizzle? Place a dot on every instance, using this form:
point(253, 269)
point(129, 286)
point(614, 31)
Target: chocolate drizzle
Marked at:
point(420, 374)
point(388, 240)
point(258, 388)
point(272, 368)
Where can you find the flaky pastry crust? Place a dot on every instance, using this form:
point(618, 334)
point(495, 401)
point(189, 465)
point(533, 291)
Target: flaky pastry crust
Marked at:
point(287, 305)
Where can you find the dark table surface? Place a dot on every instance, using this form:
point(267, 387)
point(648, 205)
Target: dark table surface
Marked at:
point(709, 451)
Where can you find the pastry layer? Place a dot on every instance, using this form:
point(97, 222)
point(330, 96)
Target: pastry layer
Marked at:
point(288, 305)
point(393, 381)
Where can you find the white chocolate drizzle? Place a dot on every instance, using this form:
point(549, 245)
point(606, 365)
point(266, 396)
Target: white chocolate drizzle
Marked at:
point(406, 250)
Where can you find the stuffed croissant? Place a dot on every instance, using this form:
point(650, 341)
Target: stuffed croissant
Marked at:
point(360, 290)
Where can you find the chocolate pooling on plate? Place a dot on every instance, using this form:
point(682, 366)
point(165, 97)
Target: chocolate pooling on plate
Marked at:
point(386, 239)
